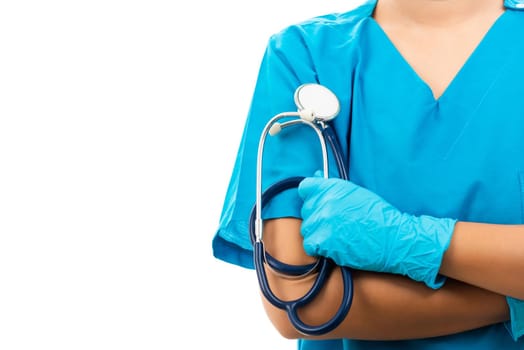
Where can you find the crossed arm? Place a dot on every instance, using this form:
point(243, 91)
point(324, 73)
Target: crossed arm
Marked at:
point(483, 263)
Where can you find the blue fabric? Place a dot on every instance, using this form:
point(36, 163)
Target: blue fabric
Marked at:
point(514, 4)
point(516, 325)
point(457, 156)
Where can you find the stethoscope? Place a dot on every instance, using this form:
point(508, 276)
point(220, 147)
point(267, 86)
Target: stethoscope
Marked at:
point(317, 106)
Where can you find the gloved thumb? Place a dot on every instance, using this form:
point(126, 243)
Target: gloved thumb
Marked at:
point(318, 173)
point(309, 185)
point(337, 188)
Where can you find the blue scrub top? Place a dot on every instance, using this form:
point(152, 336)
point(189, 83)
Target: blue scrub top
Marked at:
point(458, 156)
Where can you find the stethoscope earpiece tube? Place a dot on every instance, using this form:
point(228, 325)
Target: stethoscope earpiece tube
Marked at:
point(331, 138)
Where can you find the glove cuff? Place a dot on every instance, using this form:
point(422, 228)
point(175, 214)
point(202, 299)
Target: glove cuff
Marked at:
point(433, 236)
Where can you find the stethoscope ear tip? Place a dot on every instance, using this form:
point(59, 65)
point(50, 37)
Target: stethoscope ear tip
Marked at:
point(275, 129)
point(307, 114)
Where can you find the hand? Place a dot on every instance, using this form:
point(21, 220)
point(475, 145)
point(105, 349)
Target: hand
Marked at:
point(357, 228)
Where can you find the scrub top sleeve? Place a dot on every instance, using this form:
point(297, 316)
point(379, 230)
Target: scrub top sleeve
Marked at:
point(515, 326)
point(295, 151)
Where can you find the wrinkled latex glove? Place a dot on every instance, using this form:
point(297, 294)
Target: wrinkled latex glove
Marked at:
point(357, 228)
point(515, 325)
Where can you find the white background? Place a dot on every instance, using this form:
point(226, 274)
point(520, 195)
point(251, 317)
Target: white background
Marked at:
point(119, 124)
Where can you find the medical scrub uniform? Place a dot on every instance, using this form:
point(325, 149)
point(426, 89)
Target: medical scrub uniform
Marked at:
point(459, 156)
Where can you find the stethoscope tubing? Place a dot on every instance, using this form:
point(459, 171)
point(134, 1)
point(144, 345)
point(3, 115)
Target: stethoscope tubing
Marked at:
point(323, 266)
point(260, 154)
point(332, 139)
point(276, 265)
point(293, 306)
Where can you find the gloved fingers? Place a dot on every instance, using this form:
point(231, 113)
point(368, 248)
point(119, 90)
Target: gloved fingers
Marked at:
point(312, 186)
point(311, 220)
point(309, 186)
point(310, 247)
point(315, 233)
point(311, 191)
point(321, 199)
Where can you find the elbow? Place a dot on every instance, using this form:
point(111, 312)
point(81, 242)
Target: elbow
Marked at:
point(287, 331)
point(318, 312)
point(280, 321)
point(292, 336)
point(284, 242)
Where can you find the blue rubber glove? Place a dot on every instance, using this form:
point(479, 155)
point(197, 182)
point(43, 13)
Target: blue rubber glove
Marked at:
point(515, 325)
point(356, 228)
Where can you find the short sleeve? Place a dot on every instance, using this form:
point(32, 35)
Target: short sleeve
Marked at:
point(295, 151)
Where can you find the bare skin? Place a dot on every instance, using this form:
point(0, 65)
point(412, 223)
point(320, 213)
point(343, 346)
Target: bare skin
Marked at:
point(488, 256)
point(484, 262)
point(436, 37)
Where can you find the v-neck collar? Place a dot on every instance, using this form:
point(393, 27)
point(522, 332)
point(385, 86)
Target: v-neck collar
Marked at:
point(470, 87)
point(484, 44)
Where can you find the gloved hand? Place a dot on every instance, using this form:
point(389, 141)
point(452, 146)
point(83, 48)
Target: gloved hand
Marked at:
point(357, 228)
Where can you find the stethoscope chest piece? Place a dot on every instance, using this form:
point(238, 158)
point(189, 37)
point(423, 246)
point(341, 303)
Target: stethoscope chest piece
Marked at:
point(319, 100)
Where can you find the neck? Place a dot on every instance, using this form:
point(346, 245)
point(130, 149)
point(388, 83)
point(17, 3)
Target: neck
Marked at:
point(435, 12)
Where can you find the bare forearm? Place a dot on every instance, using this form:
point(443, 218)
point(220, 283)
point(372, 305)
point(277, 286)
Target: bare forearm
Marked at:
point(384, 307)
point(387, 307)
point(488, 256)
